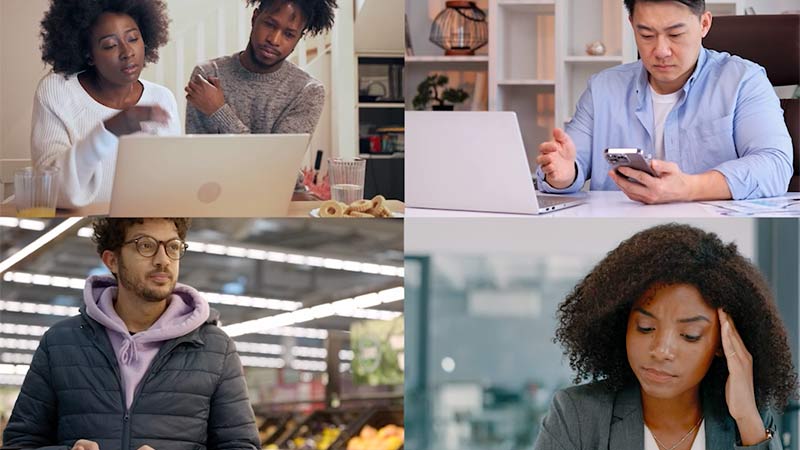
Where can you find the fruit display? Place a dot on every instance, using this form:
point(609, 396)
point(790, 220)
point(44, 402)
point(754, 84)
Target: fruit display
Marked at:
point(389, 437)
point(318, 441)
point(380, 429)
point(320, 430)
point(270, 428)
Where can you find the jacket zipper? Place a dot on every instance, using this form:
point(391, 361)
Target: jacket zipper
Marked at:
point(113, 363)
point(161, 355)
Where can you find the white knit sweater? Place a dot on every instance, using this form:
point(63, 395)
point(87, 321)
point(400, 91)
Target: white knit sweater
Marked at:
point(68, 133)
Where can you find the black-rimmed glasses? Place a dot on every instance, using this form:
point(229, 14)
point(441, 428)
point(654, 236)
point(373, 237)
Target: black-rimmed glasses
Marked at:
point(148, 246)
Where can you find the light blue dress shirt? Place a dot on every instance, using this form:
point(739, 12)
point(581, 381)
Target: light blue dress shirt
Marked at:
point(728, 119)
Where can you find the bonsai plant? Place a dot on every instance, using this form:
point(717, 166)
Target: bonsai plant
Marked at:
point(428, 91)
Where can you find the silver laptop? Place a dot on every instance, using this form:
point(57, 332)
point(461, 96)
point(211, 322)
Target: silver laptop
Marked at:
point(471, 161)
point(250, 175)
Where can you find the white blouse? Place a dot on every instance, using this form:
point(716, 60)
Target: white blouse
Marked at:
point(699, 440)
point(68, 133)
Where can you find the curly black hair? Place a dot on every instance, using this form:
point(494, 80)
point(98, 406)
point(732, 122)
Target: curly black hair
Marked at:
point(109, 233)
point(67, 25)
point(592, 320)
point(318, 13)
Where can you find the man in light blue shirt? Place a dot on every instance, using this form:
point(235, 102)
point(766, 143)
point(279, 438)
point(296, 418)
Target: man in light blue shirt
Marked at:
point(711, 121)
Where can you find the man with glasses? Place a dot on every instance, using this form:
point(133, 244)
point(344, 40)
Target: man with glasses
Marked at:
point(257, 90)
point(143, 366)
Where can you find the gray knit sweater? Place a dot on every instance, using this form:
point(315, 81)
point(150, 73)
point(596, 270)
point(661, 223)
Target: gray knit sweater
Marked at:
point(285, 101)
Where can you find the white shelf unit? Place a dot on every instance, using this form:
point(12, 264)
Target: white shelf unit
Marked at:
point(522, 69)
point(584, 22)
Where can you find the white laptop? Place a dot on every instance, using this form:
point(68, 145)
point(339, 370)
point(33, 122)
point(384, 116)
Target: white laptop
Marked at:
point(471, 161)
point(249, 175)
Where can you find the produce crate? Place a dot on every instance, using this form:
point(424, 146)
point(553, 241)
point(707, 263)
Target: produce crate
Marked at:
point(377, 418)
point(310, 434)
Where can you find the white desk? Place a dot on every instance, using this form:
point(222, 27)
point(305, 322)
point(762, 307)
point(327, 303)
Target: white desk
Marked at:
point(606, 204)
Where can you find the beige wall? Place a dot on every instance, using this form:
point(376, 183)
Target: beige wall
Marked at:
point(20, 72)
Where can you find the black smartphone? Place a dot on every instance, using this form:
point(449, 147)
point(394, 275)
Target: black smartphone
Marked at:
point(629, 157)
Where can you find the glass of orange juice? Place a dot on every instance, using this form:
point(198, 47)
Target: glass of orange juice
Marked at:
point(36, 192)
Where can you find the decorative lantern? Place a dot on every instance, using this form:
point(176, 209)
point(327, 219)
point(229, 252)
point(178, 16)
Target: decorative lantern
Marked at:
point(460, 29)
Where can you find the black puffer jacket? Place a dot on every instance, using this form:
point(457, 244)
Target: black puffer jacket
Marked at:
point(193, 397)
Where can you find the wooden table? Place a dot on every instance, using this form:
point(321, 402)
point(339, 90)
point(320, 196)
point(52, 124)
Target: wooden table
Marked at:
point(296, 209)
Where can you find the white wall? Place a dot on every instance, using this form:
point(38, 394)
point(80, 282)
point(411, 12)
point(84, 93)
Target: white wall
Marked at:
point(773, 6)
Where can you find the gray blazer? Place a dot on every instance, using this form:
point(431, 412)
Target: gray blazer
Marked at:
point(590, 416)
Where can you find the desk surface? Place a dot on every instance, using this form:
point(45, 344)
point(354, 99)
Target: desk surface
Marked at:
point(296, 209)
point(615, 204)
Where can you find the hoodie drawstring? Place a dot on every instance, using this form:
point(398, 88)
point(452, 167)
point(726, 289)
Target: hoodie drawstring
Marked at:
point(128, 352)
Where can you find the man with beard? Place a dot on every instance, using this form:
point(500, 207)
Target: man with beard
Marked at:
point(257, 90)
point(143, 366)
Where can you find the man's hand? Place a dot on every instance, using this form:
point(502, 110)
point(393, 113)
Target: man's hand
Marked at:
point(205, 95)
point(672, 185)
point(130, 120)
point(85, 444)
point(557, 160)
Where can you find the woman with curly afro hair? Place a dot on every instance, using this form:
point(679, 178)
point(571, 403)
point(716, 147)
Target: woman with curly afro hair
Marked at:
point(257, 90)
point(97, 50)
point(682, 341)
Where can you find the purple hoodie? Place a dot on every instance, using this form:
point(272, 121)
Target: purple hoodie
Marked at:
point(186, 311)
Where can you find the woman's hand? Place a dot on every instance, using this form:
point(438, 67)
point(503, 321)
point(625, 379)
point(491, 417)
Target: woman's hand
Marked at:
point(130, 120)
point(739, 389)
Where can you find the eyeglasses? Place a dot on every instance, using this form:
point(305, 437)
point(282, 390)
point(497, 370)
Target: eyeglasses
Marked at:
point(148, 246)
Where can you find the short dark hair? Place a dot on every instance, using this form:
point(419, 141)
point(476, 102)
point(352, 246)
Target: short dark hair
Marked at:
point(317, 13)
point(592, 320)
point(67, 24)
point(109, 233)
point(698, 7)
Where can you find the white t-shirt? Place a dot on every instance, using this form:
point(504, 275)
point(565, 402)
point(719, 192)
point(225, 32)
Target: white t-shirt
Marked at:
point(698, 444)
point(662, 105)
point(68, 133)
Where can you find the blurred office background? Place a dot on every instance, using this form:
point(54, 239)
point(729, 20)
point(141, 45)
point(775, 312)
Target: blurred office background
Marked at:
point(481, 296)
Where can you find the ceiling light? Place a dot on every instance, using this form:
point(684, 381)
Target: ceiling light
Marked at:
point(212, 297)
point(25, 224)
point(16, 358)
point(20, 344)
point(38, 308)
point(346, 308)
point(14, 369)
point(25, 330)
point(40, 242)
point(282, 257)
point(12, 380)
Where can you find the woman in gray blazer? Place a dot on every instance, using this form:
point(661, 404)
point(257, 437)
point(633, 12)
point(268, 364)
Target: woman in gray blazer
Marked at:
point(652, 326)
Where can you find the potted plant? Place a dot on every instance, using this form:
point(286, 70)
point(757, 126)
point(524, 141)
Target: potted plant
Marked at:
point(428, 91)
